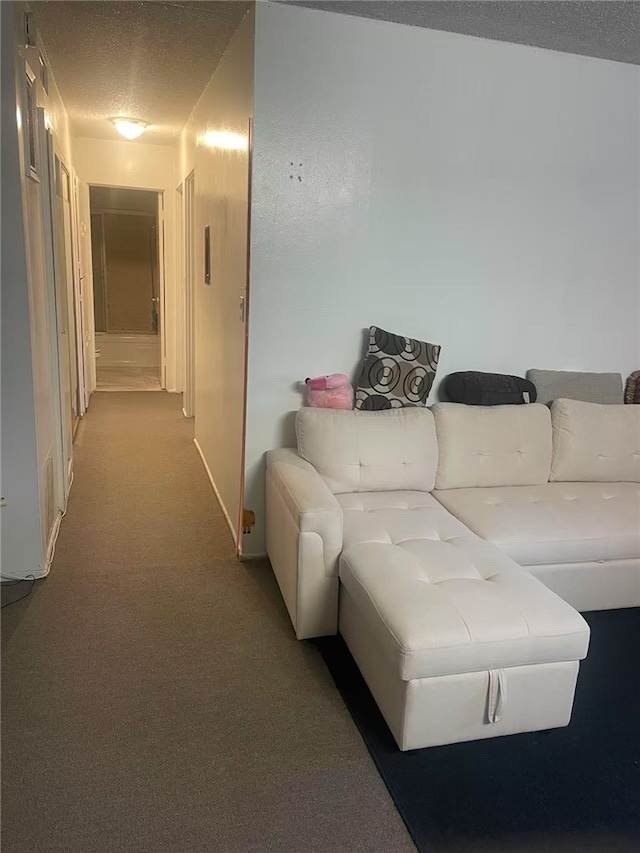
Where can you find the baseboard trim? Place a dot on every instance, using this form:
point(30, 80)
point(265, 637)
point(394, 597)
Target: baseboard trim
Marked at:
point(51, 545)
point(55, 528)
point(217, 493)
point(10, 577)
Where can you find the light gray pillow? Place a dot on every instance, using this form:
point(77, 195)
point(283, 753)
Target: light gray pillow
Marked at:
point(574, 385)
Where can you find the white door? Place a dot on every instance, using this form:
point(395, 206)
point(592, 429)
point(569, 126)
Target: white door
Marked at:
point(63, 246)
point(60, 319)
point(86, 287)
point(57, 321)
point(78, 297)
point(69, 224)
point(190, 350)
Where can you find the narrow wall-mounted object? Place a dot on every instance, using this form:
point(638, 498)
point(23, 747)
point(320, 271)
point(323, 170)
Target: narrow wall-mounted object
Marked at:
point(207, 255)
point(44, 74)
point(30, 124)
point(29, 26)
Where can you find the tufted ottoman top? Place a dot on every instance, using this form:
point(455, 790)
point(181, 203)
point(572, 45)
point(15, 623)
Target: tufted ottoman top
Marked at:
point(439, 599)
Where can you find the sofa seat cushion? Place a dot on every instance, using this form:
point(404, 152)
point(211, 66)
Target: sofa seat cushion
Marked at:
point(553, 523)
point(439, 599)
point(394, 517)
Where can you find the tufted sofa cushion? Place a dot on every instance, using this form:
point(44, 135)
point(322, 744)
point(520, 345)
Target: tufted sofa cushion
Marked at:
point(355, 451)
point(553, 523)
point(593, 442)
point(492, 445)
point(439, 599)
point(395, 517)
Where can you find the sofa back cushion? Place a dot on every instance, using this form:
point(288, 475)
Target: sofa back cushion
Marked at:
point(595, 443)
point(356, 451)
point(492, 445)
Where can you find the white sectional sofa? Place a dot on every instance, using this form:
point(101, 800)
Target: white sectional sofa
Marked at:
point(452, 548)
point(559, 494)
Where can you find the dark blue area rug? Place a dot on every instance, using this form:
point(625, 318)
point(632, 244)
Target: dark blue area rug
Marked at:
point(572, 789)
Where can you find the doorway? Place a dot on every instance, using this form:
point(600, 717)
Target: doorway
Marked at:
point(127, 288)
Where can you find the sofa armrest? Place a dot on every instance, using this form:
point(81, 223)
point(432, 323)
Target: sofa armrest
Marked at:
point(304, 542)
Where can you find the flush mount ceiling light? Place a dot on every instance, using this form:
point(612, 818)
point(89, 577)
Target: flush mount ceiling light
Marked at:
point(130, 128)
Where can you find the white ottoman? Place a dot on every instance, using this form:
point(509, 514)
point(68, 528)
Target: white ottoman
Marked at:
point(454, 639)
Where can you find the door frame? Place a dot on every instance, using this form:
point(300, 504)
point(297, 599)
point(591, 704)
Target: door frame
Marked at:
point(161, 297)
point(189, 397)
point(103, 266)
point(180, 290)
point(161, 264)
point(245, 304)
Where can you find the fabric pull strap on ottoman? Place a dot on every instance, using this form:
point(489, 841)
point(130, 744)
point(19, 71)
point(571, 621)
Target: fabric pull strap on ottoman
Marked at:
point(456, 641)
point(497, 695)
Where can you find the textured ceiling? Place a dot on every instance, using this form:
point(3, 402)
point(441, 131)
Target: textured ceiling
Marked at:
point(151, 60)
point(607, 29)
point(145, 60)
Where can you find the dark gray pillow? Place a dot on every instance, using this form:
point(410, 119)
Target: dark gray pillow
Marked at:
point(475, 388)
point(397, 372)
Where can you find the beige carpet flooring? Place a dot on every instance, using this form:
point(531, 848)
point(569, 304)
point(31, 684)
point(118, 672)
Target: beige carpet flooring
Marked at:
point(154, 697)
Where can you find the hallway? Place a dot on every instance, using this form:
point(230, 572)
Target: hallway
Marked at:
point(154, 696)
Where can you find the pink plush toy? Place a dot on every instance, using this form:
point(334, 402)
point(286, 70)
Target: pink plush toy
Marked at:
point(330, 392)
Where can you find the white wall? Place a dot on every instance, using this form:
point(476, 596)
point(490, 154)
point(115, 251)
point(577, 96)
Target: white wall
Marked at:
point(30, 417)
point(138, 165)
point(215, 145)
point(21, 547)
point(478, 195)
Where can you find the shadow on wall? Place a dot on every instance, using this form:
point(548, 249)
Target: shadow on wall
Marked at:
point(287, 430)
point(360, 365)
point(287, 425)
